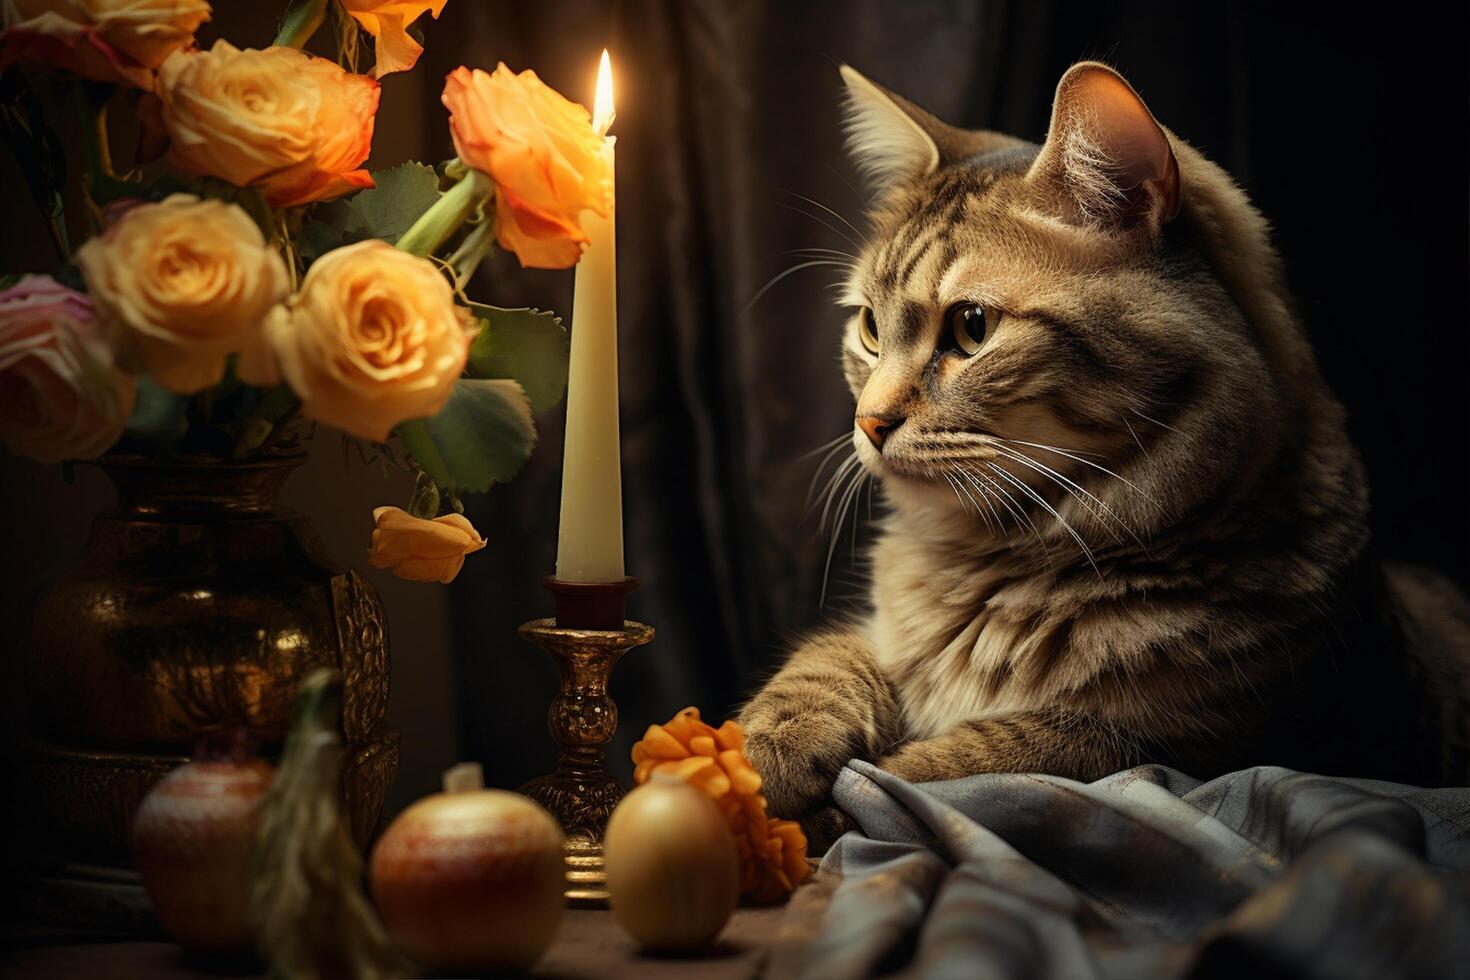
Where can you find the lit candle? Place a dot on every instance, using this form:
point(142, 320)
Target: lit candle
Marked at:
point(590, 544)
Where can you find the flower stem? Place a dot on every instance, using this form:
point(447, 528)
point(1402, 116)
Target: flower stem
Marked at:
point(95, 148)
point(425, 502)
point(472, 251)
point(103, 146)
point(446, 215)
point(282, 232)
point(56, 225)
point(421, 447)
point(300, 22)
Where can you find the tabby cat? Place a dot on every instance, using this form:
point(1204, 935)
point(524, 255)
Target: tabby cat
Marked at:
point(1125, 523)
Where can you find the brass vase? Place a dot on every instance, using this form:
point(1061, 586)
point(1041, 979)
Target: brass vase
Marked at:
point(197, 606)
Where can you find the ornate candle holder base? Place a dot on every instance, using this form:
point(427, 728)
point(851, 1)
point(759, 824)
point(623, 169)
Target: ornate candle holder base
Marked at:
point(582, 718)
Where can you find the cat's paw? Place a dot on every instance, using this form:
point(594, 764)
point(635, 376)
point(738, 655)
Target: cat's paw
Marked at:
point(797, 760)
point(822, 829)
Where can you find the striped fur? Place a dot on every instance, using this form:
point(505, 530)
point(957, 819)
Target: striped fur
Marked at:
point(1131, 527)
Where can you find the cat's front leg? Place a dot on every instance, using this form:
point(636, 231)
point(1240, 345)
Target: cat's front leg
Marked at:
point(1058, 742)
point(829, 703)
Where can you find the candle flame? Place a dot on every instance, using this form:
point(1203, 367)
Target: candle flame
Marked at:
point(602, 112)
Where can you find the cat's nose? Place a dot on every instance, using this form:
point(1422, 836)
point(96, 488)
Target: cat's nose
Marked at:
point(878, 427)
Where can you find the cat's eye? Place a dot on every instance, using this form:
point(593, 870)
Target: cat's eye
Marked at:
point(868, 330)
point(966, 325)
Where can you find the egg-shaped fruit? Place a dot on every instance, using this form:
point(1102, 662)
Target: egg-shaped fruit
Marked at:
point(673, 872)
point(193, 836)
point(471, 880)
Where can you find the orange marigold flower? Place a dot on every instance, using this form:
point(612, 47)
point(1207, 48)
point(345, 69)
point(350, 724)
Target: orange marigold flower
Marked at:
point(772, 851)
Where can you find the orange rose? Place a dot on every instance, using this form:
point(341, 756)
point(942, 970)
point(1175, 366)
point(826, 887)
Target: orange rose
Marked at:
point(182, 284)
point(547, 162)
point(387, 21)
point(372, 338)
point(295, 126)
point(420, 550)
point(119, 41)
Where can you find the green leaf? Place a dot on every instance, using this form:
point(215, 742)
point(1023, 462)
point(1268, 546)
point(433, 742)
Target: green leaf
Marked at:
point(525, 345)
point(401, 195)
point(439, 223)
point(480, 438)
point(300, 22)
point(158, 418)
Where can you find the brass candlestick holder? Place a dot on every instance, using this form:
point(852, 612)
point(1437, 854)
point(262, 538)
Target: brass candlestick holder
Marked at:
point(586, 639)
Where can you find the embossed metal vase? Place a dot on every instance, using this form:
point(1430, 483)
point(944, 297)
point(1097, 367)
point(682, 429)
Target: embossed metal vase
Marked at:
point(197, 605)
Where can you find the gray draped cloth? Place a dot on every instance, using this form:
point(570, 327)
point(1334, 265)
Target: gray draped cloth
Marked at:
point(1146, 873)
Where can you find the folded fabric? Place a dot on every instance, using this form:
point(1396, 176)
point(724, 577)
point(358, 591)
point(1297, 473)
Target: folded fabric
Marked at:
point(1146, 873)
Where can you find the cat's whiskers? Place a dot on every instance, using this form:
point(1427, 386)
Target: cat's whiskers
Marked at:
point(861, 199)
point(855, 482)
point(1146, 418)
point(1095, 506)
point(985, 496)
point(864, 481)
point(961, 494)
point(832, 493)
point(981, 438)
point(983, 499)
point(1073, 455)
point(854, 228)
point(774, 280)
point(1024, 488)
point(825, 224)
point(828, 449)
point(835, 253)
point(1134, 434)
point(838, 478)
point(1008, 500)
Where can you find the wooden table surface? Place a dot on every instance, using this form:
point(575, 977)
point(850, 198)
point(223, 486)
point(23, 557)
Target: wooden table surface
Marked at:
point(589, 946)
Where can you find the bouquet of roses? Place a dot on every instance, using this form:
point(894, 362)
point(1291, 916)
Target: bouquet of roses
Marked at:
point(245, 273)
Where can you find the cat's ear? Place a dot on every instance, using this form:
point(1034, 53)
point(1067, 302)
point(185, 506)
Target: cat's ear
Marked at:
point(892, 140)
point(1107, 158)
point(885, 140)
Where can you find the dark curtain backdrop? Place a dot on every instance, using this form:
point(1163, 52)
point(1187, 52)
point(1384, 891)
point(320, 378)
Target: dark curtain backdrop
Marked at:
point(1346, 123)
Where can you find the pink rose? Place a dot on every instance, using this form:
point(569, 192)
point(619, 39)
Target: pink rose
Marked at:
point(60, 395)
point(120, 41)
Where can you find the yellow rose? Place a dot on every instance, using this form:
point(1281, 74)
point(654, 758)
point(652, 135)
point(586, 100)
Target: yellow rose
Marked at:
point(182, 284)
point(387, 21)
point(420, 550)
point(547, 162)
point(295, 126)
point(373, 338)
point(106, 40)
